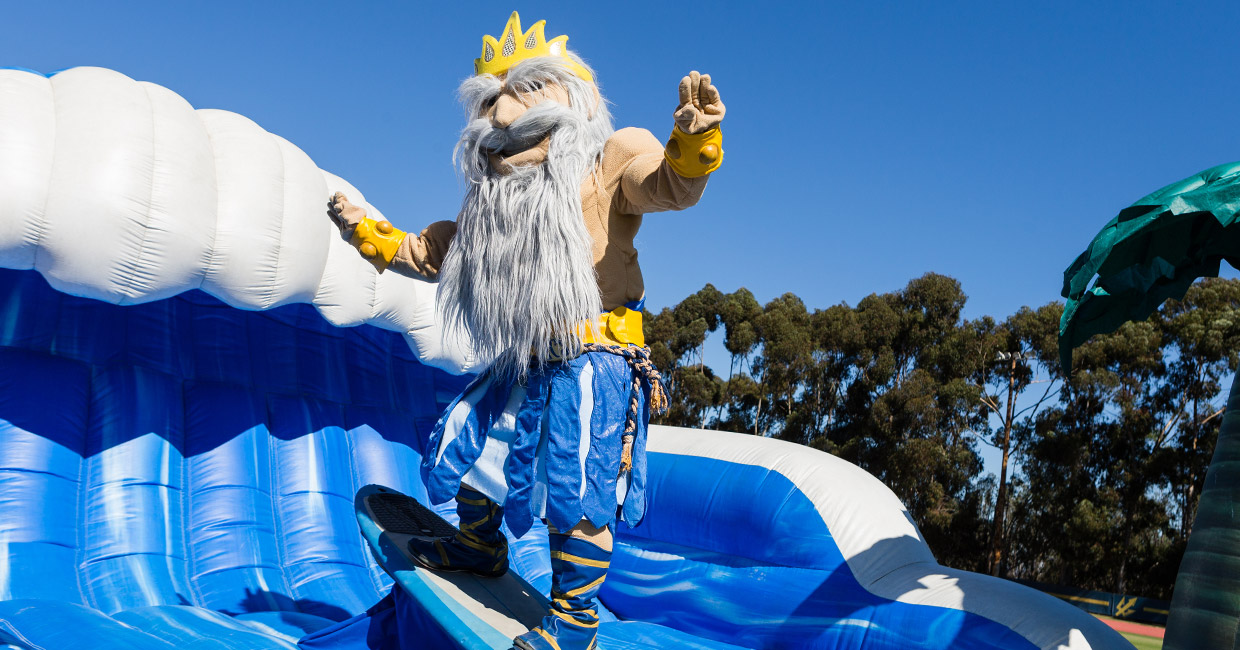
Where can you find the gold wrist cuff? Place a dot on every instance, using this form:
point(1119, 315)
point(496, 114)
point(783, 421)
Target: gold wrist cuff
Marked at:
point(694, 154)
point(377, 241)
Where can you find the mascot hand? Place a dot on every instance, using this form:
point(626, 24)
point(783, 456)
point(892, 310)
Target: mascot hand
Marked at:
point(345, 214)
point(377, 241)
point(700, 108)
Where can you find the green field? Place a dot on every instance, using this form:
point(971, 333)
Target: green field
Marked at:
point(1143, 642)
point(1137, 640)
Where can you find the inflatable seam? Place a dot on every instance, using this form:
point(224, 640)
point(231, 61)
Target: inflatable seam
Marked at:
point(277, 511)
point(7, 632)
point(130, 288)
point(212, 258)
point(868, 586)
point(187, 509)
point(374, 298)
point(42, 472)
point(88, 598)
point(279, 239)
point(234, 567)
point(286, 149)
point(113, 556)
point(40, 221)
point(356, 483)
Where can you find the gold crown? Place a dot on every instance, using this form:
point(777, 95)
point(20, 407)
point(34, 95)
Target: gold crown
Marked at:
point(518, 46)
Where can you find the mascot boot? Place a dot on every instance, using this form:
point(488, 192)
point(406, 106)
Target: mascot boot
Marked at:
point(578, 567)
point(480, 547)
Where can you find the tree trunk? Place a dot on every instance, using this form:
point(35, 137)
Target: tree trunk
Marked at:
point(995, 560)
point(1205, 608)
point(1189, 511)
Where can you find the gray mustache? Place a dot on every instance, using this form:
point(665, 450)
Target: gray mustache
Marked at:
point(524, 132)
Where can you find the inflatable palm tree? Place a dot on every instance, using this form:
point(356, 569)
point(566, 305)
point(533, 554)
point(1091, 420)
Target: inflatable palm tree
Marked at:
point(1151, 251)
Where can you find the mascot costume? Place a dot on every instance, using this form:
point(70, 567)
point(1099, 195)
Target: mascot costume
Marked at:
point(540, 270)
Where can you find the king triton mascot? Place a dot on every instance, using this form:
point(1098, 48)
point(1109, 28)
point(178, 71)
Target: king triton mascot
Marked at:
point(540, 270)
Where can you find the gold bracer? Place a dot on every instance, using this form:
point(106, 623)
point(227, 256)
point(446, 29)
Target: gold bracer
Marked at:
point(377, 241)
point(621, 326)
point(694, 154)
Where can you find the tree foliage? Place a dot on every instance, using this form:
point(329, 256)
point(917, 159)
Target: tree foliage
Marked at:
point(1106, 464)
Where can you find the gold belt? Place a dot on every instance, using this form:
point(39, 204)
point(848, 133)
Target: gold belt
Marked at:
point(620, 326)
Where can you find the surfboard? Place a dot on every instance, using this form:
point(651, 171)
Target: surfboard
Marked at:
point(481, 613)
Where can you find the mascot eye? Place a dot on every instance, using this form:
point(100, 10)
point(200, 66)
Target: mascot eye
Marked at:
point(535, 86)
point(490, 102)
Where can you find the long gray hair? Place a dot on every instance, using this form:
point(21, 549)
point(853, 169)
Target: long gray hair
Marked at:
point(519, 275)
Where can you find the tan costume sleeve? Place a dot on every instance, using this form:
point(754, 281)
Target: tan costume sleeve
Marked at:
point(647, 182)
point(422, 255)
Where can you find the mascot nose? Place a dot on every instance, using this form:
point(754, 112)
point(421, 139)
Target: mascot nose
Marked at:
point(507, 110)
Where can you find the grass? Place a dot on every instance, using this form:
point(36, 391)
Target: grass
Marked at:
point(1140, 642)
point(1143, 642)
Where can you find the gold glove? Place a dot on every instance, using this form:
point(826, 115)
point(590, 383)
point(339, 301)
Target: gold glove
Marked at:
point(377, 241)
point(694, 154)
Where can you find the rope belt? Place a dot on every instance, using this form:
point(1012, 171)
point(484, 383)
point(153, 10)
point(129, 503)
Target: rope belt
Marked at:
point(644, 372)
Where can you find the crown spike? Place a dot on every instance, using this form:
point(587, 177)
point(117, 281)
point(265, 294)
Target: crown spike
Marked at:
point(513, 25)
point(497, 59)
point(535, 35)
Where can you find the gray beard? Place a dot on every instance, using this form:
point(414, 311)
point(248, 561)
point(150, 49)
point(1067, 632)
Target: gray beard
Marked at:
point(519, 276)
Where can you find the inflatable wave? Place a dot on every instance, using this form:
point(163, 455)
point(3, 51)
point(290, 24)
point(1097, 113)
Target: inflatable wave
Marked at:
point(197, 373)
point(120, 191)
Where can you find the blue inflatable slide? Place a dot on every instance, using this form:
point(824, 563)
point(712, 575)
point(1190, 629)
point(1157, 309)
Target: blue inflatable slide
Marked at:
point(197, 375)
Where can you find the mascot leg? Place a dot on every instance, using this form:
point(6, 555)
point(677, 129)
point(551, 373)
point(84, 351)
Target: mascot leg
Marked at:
point(479, 547)
point(579, 562)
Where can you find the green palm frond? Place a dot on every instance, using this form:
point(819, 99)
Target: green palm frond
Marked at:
point(1151, 251)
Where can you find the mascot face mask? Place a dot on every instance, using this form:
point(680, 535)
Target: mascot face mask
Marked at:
point(513, 116)
point(514, 77)
point(523, 146)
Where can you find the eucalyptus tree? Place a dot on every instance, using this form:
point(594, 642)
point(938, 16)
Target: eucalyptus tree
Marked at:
point(1152, 251)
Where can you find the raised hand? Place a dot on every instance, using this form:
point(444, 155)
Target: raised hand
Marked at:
point(345, 214)
point(700, 108)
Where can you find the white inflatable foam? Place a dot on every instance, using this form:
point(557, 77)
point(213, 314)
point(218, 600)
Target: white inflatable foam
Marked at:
point(119, 190)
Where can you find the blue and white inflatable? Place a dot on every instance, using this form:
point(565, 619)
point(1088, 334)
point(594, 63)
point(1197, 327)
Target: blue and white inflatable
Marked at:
point(197, 373)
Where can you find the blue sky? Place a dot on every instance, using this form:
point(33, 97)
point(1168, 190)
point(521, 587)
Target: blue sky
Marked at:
point(867, 142)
